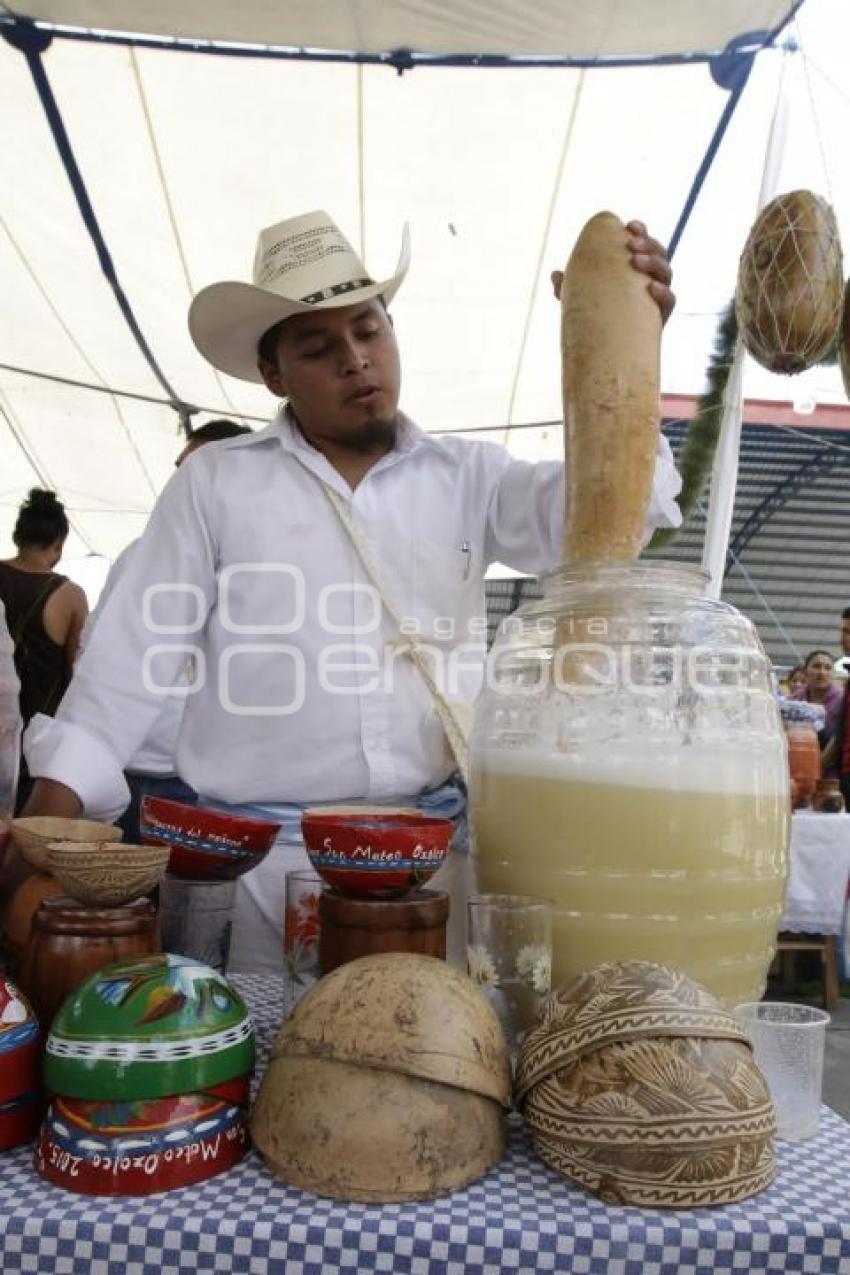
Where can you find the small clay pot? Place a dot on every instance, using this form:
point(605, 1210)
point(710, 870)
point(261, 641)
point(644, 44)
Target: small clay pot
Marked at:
point(803, 760)
point(70, 940)
point(827, 799)
point(349, 928)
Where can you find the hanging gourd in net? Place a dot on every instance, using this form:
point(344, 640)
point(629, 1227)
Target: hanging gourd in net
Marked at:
point(790, 283)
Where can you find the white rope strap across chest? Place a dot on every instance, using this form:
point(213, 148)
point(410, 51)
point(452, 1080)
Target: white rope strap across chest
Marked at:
point(410, 645)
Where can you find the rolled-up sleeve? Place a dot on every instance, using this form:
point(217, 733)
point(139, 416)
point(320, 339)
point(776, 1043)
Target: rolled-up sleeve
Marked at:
point(525, 525)
point(137, 650)
point(69, 753)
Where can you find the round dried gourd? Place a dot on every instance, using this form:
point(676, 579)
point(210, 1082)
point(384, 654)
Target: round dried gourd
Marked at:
point(407, 1013)
point(790, 283)
point(635, 1084)
point(388, 1083)
point(372, 1136)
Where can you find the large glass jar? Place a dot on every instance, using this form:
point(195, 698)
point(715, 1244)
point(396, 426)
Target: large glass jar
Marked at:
point(628, 761)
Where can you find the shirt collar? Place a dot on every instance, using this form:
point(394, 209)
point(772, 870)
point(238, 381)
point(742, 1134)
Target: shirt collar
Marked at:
point(409, 438)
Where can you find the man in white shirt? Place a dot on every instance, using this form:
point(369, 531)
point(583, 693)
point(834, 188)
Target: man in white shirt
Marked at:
point(303, 692)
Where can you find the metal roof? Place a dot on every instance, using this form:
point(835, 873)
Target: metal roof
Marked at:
point(788, 566)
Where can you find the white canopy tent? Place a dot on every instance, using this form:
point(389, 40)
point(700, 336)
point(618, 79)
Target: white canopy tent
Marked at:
point(185, 155)
point(543, 29)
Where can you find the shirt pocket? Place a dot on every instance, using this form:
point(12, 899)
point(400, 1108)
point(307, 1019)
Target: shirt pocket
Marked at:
point(444, 587)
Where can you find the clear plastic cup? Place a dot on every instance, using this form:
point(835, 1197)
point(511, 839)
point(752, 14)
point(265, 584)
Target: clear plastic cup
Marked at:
point(788, 1043)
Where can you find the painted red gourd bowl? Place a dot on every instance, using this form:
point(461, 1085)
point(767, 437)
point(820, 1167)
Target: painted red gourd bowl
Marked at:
point(149, 1027)
point(20, 1068)
point(140, 1147)
point(376, 852)
point(206, 845)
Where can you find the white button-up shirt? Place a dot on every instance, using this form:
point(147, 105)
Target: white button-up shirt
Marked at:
point(301, 694)
point(157, 753)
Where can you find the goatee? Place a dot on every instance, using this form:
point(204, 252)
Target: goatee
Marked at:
point(373, 436)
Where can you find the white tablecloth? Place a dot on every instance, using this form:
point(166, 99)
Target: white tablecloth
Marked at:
point(818, 872)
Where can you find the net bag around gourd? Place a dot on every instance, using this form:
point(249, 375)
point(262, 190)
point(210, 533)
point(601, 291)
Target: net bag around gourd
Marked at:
point(790, 283)
point(844, 341)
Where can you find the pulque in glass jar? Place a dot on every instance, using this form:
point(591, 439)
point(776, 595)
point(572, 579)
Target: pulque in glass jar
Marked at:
point(628, 761)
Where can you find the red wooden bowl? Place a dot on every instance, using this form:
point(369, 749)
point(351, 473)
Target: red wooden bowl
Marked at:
point(137, 1148)
point(374, 852)
point(206, 845)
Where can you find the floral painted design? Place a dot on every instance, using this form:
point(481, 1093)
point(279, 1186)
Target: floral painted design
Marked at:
point(301, 938)
point(164, 987)
point(534, 966)
point(482, 967)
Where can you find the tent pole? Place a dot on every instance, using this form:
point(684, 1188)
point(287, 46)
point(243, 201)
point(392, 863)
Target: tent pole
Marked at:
point(724, 474)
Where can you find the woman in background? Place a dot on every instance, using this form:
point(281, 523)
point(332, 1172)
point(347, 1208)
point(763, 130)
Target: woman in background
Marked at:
point(821, 688)
point(45, 611)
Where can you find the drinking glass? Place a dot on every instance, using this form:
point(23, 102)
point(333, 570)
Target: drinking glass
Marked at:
point(300, 935)
point(509, 956)
point(196, 918)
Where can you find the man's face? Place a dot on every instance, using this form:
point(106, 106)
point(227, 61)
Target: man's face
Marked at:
point(340, 370)
point(845, 636)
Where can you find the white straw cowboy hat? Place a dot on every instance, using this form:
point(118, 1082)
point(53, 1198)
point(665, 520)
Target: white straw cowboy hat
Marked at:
point(302, 264)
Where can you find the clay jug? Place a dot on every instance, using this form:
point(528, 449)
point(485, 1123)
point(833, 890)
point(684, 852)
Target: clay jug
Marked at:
point(803, 760)
point(802, 721)
point(70, 940)
point(19, 912)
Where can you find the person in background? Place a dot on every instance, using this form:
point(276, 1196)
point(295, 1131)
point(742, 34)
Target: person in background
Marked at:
point(796, 680)
point(210, 432)
point(820, 688)
point(10, 730)
point(152, 771)
point(837, 755)
point(45, 611)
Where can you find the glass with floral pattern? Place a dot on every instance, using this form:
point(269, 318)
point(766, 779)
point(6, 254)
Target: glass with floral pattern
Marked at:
point(300, 935)
point(509, 956)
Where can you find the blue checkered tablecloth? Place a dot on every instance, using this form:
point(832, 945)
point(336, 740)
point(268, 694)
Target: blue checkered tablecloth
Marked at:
point(522, 1217)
